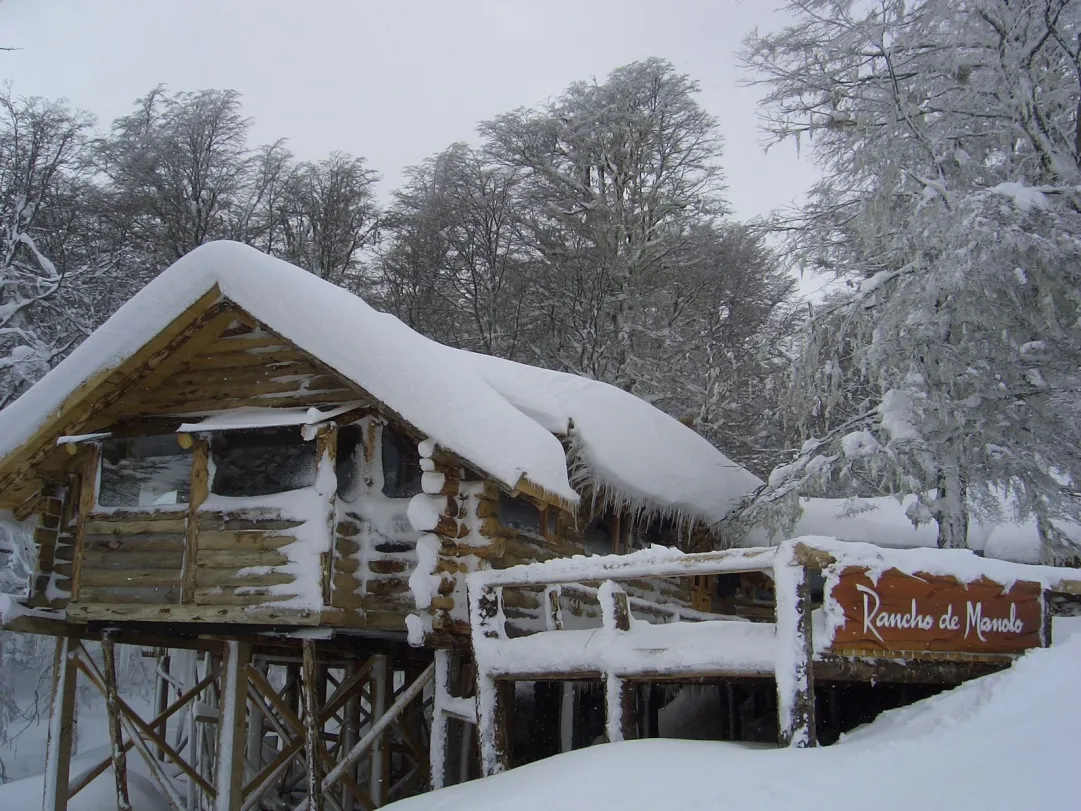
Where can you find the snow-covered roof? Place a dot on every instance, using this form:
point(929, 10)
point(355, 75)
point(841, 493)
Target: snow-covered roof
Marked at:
point(496, 415)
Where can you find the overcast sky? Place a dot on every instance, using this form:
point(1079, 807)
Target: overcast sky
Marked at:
point(394, 81)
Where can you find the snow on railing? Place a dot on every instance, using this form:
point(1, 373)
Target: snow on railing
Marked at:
point(991, 596)
point(624, 649)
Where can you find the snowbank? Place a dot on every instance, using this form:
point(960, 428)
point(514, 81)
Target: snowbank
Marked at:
point(1007, 741)
point(495, 414)
point(883, 521)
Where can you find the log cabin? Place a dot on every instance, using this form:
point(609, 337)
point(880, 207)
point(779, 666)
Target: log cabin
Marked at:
point(346, 544)
point(247, 452)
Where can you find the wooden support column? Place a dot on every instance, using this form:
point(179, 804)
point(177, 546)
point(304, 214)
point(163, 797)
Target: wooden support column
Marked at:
point(88, 498)
point(326, 483)
point(795, 649)
point(312, 727)
point(200, 488)
point(350, 731)
point(620, 696)
point(61, 726)
point(381, 684)
point(493, 724)
point(116, 735)
point(437, 755)
point(232, 715)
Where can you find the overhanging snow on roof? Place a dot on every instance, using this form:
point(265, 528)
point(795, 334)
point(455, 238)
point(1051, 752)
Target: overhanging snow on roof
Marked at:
point(496, 415)
point(238, 419)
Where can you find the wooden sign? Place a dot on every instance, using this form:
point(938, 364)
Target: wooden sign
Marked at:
point(922, 612)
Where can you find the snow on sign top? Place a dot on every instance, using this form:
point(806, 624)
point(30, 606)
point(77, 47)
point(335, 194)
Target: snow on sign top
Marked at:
point(498, 415)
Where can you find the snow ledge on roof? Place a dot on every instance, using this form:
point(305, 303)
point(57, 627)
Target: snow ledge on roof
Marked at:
point(495, 414)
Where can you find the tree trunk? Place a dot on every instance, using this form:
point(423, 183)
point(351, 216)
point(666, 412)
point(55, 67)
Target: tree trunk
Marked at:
point(951, 508)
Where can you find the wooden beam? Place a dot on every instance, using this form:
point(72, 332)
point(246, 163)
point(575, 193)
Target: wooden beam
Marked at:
point(116, 736)
point(229, 780)
point(61, 726)
point(200, 489)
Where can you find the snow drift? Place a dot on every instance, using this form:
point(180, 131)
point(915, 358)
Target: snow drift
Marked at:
point(1006, 741)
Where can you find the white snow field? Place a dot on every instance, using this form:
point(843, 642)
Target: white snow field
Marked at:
point(1006, 741)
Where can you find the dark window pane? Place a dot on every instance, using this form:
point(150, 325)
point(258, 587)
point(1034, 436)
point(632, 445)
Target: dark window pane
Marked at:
point(144, 471)
point(597, 538)
point(260, 463)
point(552, 517)
point(401, 465)
point(519, 514)
point(349, 459)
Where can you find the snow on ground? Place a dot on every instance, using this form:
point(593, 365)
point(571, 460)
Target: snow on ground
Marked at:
point(1006, 741)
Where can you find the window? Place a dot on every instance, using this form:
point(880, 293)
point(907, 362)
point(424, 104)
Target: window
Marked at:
point(401, 465)
point(350, 458)
point(145, 471)
point(551, 522)
point(520, 514)
point(261, 462)
point(597, 538)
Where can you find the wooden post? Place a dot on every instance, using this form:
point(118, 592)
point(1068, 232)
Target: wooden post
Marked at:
point(200, 488)
point(312, 727)
point(795, 650)
point(116, 735)
point(88, 498)
point(1047, 605)
point(350, 730)
point(437, 744)
point(493, 706)
point(232, 714)
point(61, 723)
point(380, 760)
point(326, 482)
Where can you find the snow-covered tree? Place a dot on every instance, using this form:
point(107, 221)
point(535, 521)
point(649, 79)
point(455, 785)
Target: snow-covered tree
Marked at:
point(42, 150)
point(948, 136)
point(616, 179)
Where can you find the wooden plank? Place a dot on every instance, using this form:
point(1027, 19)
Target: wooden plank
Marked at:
point(229, 779)
point(245, 343)
point(215, 390)
point(134, 560)
point(146, 577)
point(243, 541)
point(229, 559)
point(233, 597)
point(243, 358)
point(125, 544)
point(200, 489)
point(300, 398)
point(248, 614)
point(251, 376)
point(227, 578)
point(164, 523)
point(135, 595)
